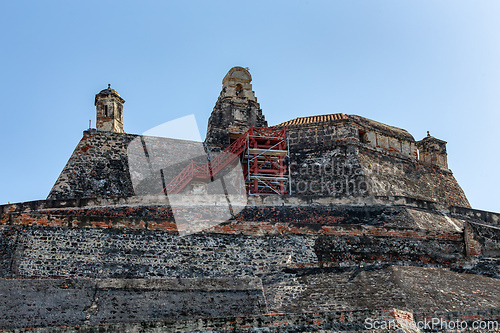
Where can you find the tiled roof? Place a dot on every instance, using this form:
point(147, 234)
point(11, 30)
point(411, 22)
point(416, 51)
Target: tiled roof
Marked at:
point(313, 119)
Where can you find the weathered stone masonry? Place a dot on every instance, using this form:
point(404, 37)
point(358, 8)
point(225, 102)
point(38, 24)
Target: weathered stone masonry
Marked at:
point(332, 156)
point(280, 260)
point(375, 227)
point(90, 242)
point(98, 165)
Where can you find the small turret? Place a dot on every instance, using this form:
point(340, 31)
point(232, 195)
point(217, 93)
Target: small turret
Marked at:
point(433, 151)
point(109, 111)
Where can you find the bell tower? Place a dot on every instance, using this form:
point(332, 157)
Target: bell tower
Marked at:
point(235, 111)
point(109, 111)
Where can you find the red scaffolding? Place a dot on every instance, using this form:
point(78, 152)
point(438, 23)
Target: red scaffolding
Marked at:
point(263, 163)
point(260, 150)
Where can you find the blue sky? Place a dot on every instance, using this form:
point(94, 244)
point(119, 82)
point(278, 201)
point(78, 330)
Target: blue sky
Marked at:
point(419, 65)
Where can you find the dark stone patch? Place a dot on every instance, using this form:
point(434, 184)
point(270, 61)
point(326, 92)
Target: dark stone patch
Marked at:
point(8, 240)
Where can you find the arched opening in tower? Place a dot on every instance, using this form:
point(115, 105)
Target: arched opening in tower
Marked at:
point(239, 90)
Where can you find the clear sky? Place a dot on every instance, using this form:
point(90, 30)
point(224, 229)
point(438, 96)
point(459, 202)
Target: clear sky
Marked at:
point(426, 65)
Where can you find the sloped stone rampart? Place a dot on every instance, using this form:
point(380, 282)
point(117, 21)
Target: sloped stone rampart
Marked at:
point(98, 166)
point(414, 289)
point(123, 165)
point(386, 175)
point(103, 165)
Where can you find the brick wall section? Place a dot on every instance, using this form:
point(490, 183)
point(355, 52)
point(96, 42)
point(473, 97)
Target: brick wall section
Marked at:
point(311, 220)
point(42, 303)
point(309, 215)
point(45, 252)
point(482, 248)
point(315, 135)
point(353, 249)
point(235, 249)
point(482, 240)
point(397, 216)
point(274, 202)
point(142, 241)
point(8, 245)
point(338, 321)
point(331, 159)
point(333, 295)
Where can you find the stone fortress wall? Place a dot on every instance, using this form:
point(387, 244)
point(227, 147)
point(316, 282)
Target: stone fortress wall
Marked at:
point(106, 263)
point(348, 155)
point(327, 159)
point(375, 226)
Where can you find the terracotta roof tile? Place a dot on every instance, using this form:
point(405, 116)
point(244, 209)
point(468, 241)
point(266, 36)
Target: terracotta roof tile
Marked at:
point(313, 119)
